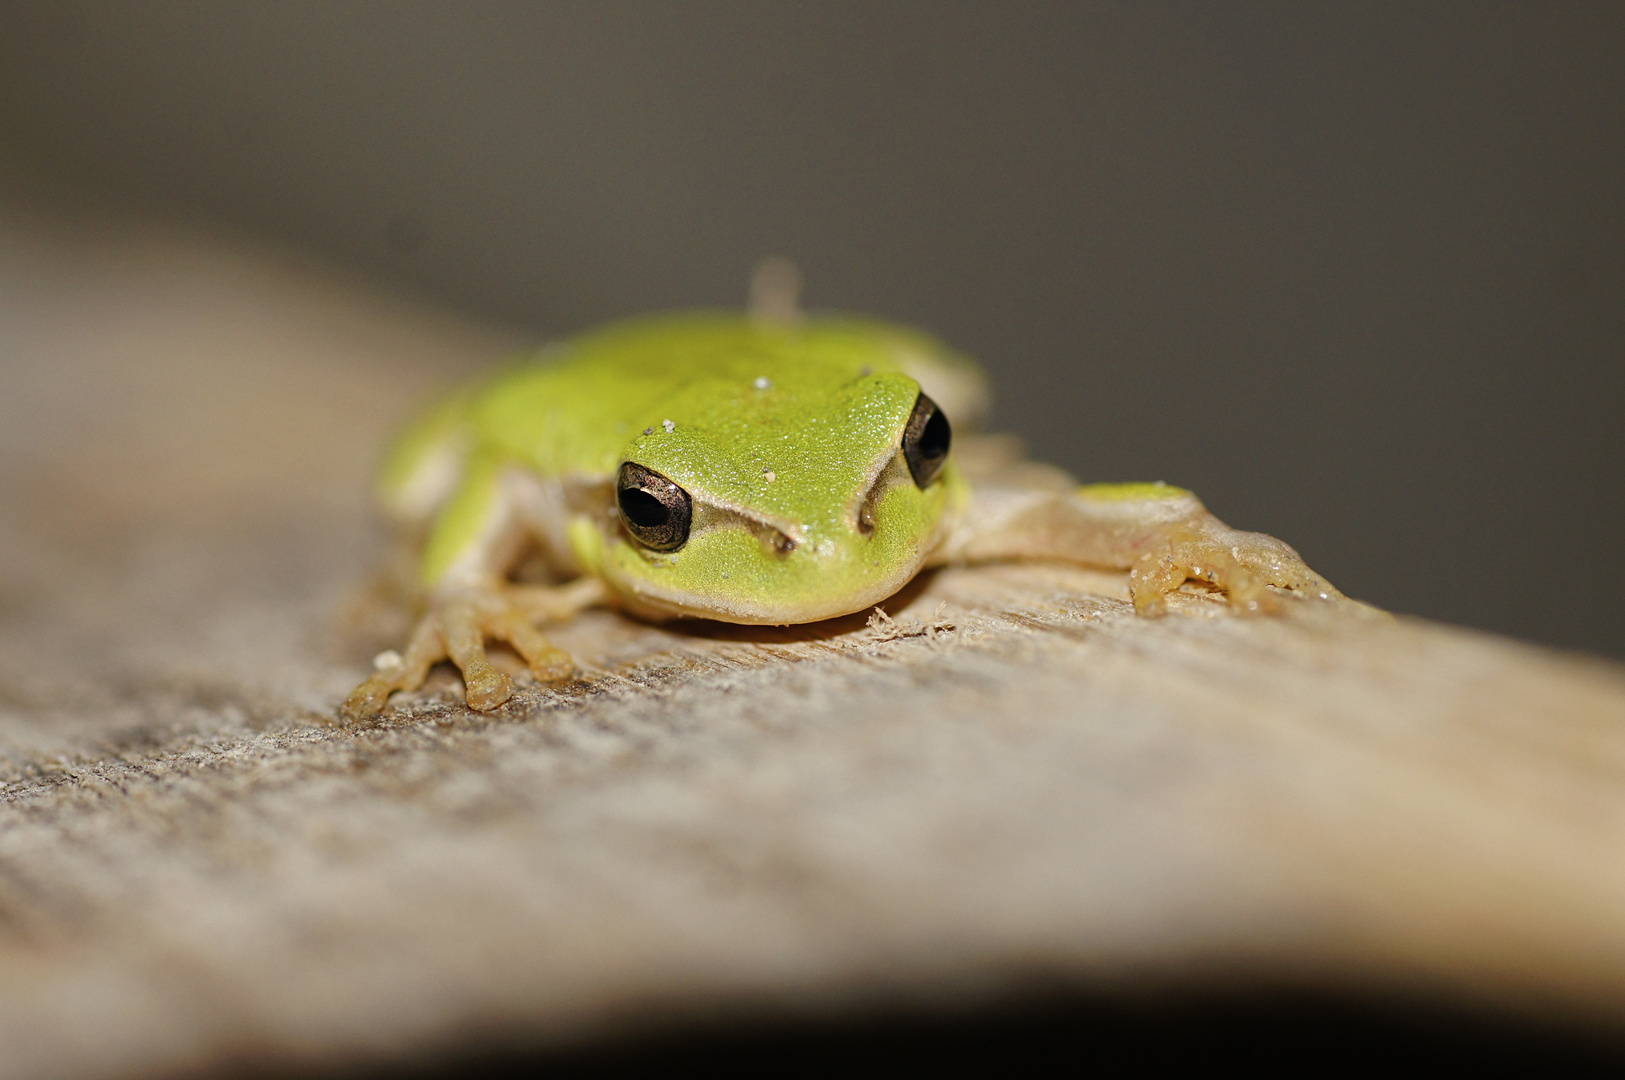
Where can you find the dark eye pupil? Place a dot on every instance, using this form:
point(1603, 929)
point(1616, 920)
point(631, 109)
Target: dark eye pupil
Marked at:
point(926, 440)
point(643, 509)
point(935, 438)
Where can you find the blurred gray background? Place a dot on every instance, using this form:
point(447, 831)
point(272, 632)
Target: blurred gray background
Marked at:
point(1355, 273)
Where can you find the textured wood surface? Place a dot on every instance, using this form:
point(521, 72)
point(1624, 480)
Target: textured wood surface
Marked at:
point(1004, 776)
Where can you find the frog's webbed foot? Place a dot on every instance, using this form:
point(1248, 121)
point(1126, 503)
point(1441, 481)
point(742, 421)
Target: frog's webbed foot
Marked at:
point(457, 626)
point(1248, 567)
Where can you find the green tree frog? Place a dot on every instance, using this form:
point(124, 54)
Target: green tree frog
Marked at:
point(762, 467)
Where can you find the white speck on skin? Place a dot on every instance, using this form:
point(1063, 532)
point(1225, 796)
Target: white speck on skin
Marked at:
point(770, 475)
point(764, 383)
point(669, 426)
point(388, 660)
point(648, 431)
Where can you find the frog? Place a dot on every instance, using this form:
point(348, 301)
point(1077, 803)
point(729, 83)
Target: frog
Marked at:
point(764, 466)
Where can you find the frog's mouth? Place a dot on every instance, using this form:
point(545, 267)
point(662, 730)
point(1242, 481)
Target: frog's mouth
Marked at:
point(648, 599)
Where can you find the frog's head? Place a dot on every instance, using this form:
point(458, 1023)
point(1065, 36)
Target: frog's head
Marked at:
point(779, 499)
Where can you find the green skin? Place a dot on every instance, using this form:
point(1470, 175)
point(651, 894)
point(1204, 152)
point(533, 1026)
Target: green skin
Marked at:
point(825, 427)
point(787, 438)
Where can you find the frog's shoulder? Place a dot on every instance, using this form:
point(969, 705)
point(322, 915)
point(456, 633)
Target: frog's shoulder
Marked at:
point(425, 461)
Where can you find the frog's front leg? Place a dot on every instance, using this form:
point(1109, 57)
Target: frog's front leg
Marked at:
point(456, 628)
point(1162, 535)
point(471, 544)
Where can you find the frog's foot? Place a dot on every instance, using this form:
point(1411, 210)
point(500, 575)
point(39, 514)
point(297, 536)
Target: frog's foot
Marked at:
point(456, 628)
point(1248, 567)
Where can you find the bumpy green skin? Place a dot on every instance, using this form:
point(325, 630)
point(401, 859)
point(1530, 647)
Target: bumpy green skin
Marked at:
point(799, 454)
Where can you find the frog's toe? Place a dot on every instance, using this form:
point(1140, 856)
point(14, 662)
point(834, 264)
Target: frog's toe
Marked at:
point(1243, 588)
point(366, 700)
point(464, 625)
point(396, 672)
point(1151, 579)
point(466, 629)
point(547, 662)
point(1252, 570)
point(1275, 567)
point(370, 697)
point(487, 687)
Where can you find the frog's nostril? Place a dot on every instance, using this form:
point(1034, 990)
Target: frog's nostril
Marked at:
point(866, 517)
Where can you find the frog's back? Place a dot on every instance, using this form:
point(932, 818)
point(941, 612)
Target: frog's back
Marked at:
point(572, 409)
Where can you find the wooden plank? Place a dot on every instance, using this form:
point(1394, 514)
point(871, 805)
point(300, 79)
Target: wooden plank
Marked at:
point(1004, 776)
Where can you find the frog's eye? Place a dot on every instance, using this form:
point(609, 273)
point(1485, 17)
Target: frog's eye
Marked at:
point(926, 440)
point(656, 511)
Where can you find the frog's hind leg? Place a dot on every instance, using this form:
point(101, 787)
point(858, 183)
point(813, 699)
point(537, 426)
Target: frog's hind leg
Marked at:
point(1251, 569)
point(1160, 534)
